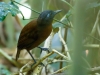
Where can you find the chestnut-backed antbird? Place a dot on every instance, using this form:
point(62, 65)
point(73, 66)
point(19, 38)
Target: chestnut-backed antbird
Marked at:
point(35, 32)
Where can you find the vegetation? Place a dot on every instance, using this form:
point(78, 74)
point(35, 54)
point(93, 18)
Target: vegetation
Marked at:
point(73, 44)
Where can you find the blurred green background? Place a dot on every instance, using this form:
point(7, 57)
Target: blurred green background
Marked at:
point(82, 38)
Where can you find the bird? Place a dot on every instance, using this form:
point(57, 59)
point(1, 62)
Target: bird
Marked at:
point(35, 32)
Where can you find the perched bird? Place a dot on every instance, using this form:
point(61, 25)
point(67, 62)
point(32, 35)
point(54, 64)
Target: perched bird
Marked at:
point(35, 32)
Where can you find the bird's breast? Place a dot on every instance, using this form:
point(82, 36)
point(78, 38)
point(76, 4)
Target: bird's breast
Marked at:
point(45, 32)
point(43, 35)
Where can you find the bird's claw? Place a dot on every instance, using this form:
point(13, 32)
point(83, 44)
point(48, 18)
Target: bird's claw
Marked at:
point(44, 49)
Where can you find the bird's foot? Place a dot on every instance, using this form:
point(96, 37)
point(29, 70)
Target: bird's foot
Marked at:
point(42, 64)
point(33, 64)
point(44, 49)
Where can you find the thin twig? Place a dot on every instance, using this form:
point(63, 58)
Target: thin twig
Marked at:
point(21, 70)
point(96, 23)
point(47, 44)
point(26, 7)
point(33, 67)
point(89, 34)
point(37, 70)
point(68, 3)
point(39, 13)
point(60, 54)
point(92, 45)
point(67, 26)
point(52, 52)
point(55, 61)
point(42, 59)
point(9, 58)
point(62, 40)
point(62, 69)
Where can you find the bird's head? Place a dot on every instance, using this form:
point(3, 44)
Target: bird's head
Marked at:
point(46, 17)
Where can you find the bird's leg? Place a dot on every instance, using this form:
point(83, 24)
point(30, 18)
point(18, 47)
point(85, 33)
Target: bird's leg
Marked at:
point(44, 49)
point(32, 57)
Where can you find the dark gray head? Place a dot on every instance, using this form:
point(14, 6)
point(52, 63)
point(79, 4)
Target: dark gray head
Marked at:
point(46, 17)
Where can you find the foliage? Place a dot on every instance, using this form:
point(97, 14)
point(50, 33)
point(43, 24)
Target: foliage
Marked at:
point(93, 5)
point(6, 8)
point(78, 21)
point(4, 70)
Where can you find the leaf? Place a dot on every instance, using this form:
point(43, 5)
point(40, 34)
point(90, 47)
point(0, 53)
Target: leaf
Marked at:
point(6, 8)
point(55, 30)
point(14, 10)
point(64, 21)
point(57, 24)
point(4, 70)
point(69, 13)
point(93, 5)
point(3, 11)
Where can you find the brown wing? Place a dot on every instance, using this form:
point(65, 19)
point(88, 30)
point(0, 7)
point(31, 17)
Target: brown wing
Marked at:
point(28, 35)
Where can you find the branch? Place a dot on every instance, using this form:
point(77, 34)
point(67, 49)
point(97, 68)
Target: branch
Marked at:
point(96, 23)
point(63, 42)
point(38, 63)
point(60, 54)
point(9, 58)
point(37, 12)
point(62, 69)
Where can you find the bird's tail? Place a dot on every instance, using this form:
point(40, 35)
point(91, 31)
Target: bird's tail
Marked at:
point(17, 55)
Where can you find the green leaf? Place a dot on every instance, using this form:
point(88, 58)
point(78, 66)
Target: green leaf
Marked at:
point(93, 5)
point(14, 10)
point(57, 24)
point(3, 11)
point(6, 8)
point(64, 21)
point(4, 70)
point(69, 13)
point(55, 30)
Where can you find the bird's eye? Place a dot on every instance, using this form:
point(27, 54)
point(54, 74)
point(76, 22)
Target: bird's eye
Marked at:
point(48, 15)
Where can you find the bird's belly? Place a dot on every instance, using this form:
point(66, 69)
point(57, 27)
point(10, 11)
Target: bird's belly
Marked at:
point(42, 37)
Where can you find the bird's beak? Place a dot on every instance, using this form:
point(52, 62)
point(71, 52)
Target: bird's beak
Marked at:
point(57, 11)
